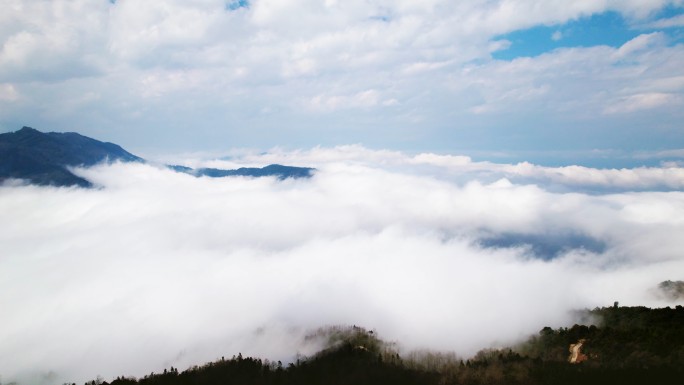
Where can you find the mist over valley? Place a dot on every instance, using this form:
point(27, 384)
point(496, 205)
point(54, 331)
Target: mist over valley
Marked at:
point(154, 268)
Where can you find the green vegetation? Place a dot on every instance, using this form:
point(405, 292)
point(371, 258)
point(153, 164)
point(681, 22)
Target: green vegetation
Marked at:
point(627, 345)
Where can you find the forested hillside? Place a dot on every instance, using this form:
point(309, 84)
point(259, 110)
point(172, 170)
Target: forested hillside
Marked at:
point(626, 345)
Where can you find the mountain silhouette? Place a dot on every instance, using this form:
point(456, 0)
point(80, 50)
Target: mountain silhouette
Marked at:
point(46, 158)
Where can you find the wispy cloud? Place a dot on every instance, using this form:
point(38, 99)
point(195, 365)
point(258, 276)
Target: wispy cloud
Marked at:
point(638, 102)
point(670, 22)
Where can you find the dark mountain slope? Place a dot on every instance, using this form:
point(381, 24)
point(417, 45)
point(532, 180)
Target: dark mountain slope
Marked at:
point(631, 345)
point(44, 158)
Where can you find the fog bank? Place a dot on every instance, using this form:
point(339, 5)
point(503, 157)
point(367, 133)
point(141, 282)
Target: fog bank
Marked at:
point(156, 268)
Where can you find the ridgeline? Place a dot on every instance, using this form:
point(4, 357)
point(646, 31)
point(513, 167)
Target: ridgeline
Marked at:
point(625, 345)
point(47, 159)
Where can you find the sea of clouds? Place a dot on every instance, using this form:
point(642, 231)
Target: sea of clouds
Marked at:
point(155, 268)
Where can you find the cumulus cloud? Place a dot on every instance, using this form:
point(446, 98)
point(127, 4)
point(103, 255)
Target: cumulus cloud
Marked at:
point(546, 82)
point(167, 65)
point(157, 268)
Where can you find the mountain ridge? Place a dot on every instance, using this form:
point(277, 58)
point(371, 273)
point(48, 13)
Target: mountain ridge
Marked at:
point(46, 158)
point(627, 345)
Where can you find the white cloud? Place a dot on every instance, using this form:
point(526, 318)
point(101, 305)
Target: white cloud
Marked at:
point(640, 43)
point(159, 268)
point(175, 64)
point(414, 68)
point(641, 102)
point(460, 168)
point(442, 160)
point(672, 22)
point(636, 178)
point(52, 41)
point(637, 77)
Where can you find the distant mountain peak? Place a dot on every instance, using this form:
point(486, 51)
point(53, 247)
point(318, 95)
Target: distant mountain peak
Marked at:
point(44, 158)
point(277, 170)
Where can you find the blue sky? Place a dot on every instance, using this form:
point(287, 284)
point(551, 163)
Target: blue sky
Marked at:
point(607, 28)
point(555, 82)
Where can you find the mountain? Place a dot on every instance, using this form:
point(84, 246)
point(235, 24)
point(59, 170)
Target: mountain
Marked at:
point(277, 170)
point(630, 345)
point(44, 158)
